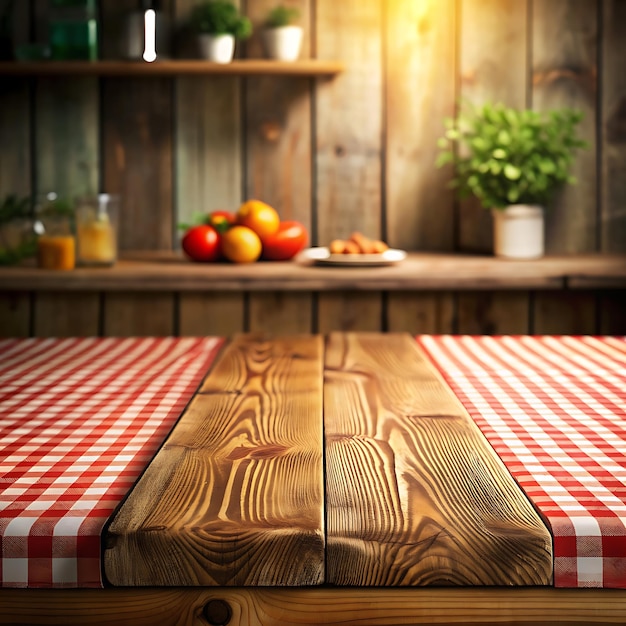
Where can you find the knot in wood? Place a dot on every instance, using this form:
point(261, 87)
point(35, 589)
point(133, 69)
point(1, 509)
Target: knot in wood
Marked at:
point(218, 612)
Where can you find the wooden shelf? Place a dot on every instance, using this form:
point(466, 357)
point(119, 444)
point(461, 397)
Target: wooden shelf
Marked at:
point(242, 67)
point(165, 271)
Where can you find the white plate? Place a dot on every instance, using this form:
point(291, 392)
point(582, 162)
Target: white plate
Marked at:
point(322, 256)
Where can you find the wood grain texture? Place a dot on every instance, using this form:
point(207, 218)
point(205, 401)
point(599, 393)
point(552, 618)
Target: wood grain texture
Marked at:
point(565, 72)
point(424, 312)
point(58, 314)
point(420, 93)
point(67, 137)
point(315, 606)
point(280, 313)
point(235, 495)
point(208, 148)
point(138, 314)
point(415, 494)
point(15, 312)
point(15, 158)
point(349, 310)
point(564, 313)
point(494, 313)
point(220, 313)
point(348, 113)
point(613, 216)
point(493, 57)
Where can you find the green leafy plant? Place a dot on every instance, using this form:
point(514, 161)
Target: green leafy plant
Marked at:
point(220, 17)
point(506, 156)
point(281, 16)
point(17, 237)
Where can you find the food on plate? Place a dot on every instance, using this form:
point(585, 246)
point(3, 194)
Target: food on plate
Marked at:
point(259, 217)
point(357, 244)
point(286, 242)
point(241, 244)
point(202, 243)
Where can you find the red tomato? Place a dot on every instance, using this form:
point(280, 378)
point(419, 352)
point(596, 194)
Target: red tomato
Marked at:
point(202, 243)
point(286, 242)
point(221, 220)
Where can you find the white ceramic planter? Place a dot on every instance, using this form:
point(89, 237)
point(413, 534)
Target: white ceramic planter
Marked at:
point(217, 48)
point(518, 231)
point(282, 43)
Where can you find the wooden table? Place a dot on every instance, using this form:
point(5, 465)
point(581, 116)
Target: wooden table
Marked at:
point(324, 482)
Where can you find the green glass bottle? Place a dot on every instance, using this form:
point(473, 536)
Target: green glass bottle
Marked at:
point(74, 30)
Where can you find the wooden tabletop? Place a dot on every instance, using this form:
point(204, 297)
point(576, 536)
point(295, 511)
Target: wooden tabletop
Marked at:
point(347, 461)
point(168, 271)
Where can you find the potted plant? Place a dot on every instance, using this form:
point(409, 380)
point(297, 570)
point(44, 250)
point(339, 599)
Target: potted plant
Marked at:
point(218, 24)
point(282, 38)
point(513, 161)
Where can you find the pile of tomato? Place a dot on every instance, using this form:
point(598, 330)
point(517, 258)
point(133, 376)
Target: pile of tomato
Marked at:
point(254, 232)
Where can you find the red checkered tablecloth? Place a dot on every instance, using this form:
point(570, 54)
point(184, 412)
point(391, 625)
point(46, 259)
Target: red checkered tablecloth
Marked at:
point(554, 409)
point(79, 421)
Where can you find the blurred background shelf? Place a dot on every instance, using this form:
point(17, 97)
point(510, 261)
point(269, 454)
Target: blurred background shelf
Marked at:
point(243, 67)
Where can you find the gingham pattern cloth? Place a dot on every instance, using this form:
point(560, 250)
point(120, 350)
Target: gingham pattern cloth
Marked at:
point(80, 419)
point(554, 409)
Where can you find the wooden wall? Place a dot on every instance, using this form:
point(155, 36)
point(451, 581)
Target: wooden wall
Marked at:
point(355, 152)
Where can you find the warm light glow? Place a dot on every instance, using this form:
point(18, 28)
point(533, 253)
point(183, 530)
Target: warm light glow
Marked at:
point(149, 53)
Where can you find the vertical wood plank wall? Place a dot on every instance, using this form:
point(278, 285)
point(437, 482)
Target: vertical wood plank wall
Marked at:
point(355, 152)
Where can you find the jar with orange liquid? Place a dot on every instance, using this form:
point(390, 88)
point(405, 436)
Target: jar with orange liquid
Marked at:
point(56, 245)
point(96, 229)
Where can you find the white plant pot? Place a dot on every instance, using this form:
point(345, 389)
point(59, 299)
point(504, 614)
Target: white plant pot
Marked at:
point(518, 231)
point(217, 48)
point(282, 43)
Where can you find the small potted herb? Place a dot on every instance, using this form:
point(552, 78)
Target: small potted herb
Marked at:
point(513, 161)
point(282, 37)
point(218, 24)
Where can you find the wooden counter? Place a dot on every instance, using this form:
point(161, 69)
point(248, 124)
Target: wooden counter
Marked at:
point(163, 271)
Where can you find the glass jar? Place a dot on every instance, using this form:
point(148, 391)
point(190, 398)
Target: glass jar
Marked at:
point(56, 245)
point(96, 229)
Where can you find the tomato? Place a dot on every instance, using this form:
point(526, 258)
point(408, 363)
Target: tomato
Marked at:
point(240, 244)
point(286, 242)
point(221, 220)
point(258, 216)
point(202, 243)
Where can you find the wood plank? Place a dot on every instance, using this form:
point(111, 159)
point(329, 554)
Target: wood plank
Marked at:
point(67, 137)
point(348, 159)
point(235, 495)
point(278, 128)
point(420, 92)
point(149, 314)
point(564, 313)
point(220, 314)
point(565, 75)
point(349, 310)
point(613, 216)
point(15, 158)
point(315, 606)
point(612, 310)
point(280, 313)
point(137, 121)
point(166, 271)
point(208, 147)
point(427, 312)
point(488, 26)
point(15, 312)
point(395, 434)
point(177, 67)
point(58, 314)
point(494, 313)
